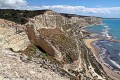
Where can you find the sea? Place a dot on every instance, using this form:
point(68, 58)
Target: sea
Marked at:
point(109, 50)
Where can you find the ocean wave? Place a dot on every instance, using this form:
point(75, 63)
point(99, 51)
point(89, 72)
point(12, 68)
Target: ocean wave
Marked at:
point(106, 26)
point(106, 31)
point(104, 55)
point(119, 53)
point(110, 45)
point(115, 63)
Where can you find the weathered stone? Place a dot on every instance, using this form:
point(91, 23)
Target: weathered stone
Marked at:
point(58, 35)
point(12, 68)
point(12, 40)
point(49, 29)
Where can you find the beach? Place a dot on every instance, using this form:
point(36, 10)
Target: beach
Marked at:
point(111, 73)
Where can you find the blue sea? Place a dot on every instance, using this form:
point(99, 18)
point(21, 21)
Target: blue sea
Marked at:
point(109, 50)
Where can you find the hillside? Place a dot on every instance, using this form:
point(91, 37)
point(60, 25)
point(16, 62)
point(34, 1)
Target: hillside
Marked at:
point(53, 41)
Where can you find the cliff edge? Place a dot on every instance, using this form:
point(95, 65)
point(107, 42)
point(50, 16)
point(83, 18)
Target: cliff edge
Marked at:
point(52, 39)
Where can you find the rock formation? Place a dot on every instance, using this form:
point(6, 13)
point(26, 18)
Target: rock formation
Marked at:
point(12, 36)
point(58, 35)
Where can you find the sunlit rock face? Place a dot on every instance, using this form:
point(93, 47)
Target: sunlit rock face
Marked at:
point(62, 34)
point(13, 36)
point(59, 35)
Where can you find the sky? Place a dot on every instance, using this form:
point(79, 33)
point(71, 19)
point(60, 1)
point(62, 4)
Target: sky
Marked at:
point(101, 8)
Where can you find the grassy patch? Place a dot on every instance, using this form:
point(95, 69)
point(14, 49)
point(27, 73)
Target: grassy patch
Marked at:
point(32, 50)
point(19, 16)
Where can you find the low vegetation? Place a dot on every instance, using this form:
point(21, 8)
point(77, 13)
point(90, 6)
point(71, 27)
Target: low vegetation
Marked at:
point(66, 43)
point(19, 16)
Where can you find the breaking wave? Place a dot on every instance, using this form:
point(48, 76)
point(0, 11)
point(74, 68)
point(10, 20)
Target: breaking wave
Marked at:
point(102, 50)
point(104, 54)
point(115, 63)
point(105, 32)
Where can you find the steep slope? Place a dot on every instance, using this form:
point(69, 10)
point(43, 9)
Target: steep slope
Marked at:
point(64, 35)
point(13, 68)
point(57, 35)
point(62, 32)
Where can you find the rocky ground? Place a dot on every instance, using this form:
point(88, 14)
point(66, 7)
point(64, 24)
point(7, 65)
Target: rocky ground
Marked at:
point(14, 67)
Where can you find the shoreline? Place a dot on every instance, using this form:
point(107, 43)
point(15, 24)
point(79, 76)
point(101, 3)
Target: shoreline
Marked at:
point(111, 73)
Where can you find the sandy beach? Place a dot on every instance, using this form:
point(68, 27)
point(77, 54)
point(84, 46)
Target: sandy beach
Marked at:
point(110, 73)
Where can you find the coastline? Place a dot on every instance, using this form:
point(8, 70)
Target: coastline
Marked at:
point(111, 73)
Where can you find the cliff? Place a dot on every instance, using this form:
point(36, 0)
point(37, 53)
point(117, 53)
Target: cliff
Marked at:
point(56, 35)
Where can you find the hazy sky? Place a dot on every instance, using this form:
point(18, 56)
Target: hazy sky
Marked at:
point(102, 8)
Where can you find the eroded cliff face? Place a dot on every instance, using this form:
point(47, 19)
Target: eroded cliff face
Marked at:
point(59, 35)
point(62, 32)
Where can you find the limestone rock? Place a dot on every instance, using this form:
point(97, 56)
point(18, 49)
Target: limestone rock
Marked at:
point(11, 38)
point(58, 35)
point(61, 33)
point(12, 68)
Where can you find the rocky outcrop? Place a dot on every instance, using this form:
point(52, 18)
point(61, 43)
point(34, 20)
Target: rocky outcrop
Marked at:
point(61, 31)
point(64, 36)
point(58, 35)
point(13, 36)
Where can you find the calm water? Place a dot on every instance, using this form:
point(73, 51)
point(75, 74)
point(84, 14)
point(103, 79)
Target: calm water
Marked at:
point(109, 51)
